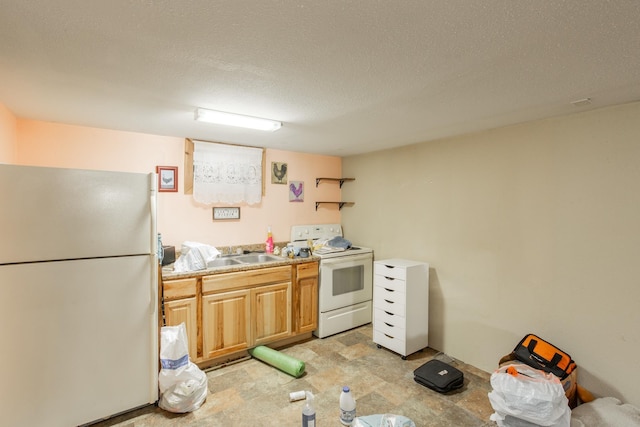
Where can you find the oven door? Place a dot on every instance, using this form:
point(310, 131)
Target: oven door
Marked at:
point(344, 281)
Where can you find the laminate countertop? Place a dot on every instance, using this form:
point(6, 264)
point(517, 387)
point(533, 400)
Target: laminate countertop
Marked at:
point(169, 274)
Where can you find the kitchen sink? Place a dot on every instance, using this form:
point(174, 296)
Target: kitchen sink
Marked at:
point(228, 260)
point(256, 258)
point(222, 262)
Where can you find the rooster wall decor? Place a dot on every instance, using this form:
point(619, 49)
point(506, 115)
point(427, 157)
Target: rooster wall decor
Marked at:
point(296, 191)
point(278, 173)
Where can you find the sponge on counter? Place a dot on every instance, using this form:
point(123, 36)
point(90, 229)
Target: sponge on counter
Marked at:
point(288, 364)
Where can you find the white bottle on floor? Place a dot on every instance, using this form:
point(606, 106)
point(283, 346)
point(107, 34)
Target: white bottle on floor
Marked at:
point(347, 407)
point(309, 412)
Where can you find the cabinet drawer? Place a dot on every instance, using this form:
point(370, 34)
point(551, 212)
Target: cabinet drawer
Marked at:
point(180, 288)
point(389, 323)
point(245, 279)
point(390, 271)
point(390, 284)
point(391, 342)
point(308, 269)
point(393, 305)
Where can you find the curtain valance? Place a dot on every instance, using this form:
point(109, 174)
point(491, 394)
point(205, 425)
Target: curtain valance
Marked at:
point(226, 173)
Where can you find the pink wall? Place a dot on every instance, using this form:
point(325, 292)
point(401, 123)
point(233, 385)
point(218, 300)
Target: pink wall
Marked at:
point(8, 136)
point(180, 218)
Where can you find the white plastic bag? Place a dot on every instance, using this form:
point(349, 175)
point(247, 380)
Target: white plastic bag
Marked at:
point(183, 386)
point(194, 256)
point(524, 396)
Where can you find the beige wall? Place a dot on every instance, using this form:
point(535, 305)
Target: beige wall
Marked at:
point(529, 228)
point(8, 137)
point(180, 218)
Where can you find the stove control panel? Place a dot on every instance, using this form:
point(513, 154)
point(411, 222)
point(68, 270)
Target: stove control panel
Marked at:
point(315, 232)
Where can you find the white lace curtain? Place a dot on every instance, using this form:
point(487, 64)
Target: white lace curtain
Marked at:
point(226, 173)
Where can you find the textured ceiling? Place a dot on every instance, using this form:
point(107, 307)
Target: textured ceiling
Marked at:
point(345, 77)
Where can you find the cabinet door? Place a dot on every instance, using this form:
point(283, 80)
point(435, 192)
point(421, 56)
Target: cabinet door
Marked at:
point(225, 323)
point(307, 304)
point(184, 310)
point(271, 312)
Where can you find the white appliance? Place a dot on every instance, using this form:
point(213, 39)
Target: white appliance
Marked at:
point(345, 283)
point(78, 310)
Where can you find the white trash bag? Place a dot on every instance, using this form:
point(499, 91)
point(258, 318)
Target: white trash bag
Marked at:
point(524, 396)
point(183, 386)
point(194, 256)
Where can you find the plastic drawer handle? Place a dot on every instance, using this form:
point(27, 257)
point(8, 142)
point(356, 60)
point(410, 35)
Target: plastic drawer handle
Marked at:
point(388, 324)
point(390, 314)
point(390, 266)
point(389, 290)
point(389, 278)
point(390, 302)
point(388, 336)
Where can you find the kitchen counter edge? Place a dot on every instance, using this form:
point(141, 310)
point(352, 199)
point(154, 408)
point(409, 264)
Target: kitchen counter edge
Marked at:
point(168, 274)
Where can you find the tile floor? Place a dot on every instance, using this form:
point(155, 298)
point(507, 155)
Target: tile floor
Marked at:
point(252, 393)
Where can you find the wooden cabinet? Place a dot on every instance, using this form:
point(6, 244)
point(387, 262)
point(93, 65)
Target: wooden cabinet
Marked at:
point(225, 323)
point(229, 313)
point(271, 312)
point(306, 297)
point(401, 305)
point(243, 309)
point(180, 305)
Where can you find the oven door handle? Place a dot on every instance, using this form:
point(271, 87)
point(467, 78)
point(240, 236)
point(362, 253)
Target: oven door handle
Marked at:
point(347, 258)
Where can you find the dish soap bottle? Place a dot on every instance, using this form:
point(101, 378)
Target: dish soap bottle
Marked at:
point(347, 407)
point(269, 244)
point(309, 412)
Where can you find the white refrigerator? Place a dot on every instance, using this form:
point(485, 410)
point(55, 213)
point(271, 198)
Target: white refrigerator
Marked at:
point(78, 295)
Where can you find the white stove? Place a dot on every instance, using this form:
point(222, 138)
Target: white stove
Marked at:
point(345, 287)
point(302, 235)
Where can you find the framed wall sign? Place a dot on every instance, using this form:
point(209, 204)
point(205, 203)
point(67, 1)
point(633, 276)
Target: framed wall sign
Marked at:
point(226, 213)
point(167, 178)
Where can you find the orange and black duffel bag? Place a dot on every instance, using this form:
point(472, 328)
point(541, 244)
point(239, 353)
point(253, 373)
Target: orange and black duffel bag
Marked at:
point(540, 354)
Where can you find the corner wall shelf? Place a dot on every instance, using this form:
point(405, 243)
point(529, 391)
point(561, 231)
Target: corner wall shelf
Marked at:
point(341, 180)
point(340, 204)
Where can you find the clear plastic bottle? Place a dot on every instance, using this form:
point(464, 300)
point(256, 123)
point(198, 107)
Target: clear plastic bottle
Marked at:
point(269, 243)
point(309, 411)
point(347, 407)
point(160, 249)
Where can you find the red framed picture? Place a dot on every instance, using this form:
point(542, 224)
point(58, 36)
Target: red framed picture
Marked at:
point(167, 178)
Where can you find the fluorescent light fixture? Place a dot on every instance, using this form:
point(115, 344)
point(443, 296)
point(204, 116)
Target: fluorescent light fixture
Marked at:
point(230, 119)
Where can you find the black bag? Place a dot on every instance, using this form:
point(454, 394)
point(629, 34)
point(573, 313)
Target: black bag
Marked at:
point(439, 376)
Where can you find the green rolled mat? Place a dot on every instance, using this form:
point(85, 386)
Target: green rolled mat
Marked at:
point(288, 364)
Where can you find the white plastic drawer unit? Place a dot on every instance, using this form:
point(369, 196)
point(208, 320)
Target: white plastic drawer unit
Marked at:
point(401, 305)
